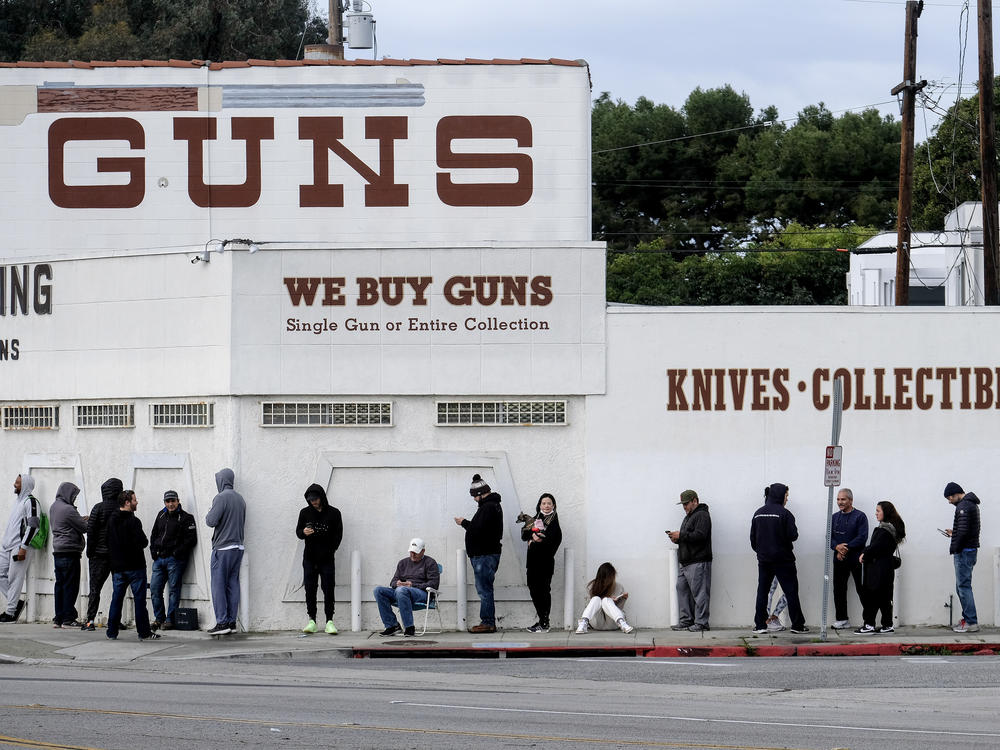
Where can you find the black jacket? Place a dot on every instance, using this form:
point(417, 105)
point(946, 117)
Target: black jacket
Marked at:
point(773, 530)
point(965, 528)
point(485, 530)
point(174, 535)
point(879, 569)
point(328, 528)
point(542, 554)
point(126, 542)
point(694, 544)
point(97, 524)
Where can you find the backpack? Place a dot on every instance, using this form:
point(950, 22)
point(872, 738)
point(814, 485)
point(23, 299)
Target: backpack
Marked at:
point(42, 534)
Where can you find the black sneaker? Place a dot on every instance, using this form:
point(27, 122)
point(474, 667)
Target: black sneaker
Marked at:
point(391, 630)
point(151, 637)
point(72, 624)
point(122, 626)
point(221, 629)
point(88, 625)
point(232, 627)
point(680, 626)
point(410, 631)
point(800, 629)
point(539, 627)
point(885, 629)
point(18, 610)
point(4, 617)
point(155, 625)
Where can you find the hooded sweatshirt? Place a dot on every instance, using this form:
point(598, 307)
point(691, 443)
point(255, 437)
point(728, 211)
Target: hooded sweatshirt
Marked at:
point(23, 521)
point(773, 529)
point(227, 514)
point(328, 527)
point(485, 530)
point(965, 528)
point(68, 526)
point(97, 524)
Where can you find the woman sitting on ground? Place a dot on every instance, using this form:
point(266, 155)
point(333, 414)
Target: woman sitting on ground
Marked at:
point(607, 597)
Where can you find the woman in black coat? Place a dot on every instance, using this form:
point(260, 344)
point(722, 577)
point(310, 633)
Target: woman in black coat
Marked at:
point(543, 540)
point(879, 563)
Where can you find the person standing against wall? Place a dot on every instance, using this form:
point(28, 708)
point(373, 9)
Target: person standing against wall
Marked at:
point(98, 556)
point(880, 560)
point(126, 542)
point(173, 537)
point(543, 538)
point(15, 546)
point(694, 558)
point(322, 528)
point(772, 536)
point(964, 533)
point(483, 534)
point(68, 528)
point(848, 533)
point(228, 517)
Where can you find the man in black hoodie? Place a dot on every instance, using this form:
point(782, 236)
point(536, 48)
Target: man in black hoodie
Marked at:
point(964, 548)
point(322, 528)
point(482, 543)
point(126, 542)
point(97, 546)
point(772, 533)
point(174, 536)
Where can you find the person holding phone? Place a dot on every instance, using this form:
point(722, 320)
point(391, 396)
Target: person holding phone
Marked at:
point(607, 597)
point(694, 557)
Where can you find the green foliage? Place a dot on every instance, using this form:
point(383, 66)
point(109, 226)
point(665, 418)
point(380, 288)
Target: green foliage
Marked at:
point(790, 269)
point(156, 29)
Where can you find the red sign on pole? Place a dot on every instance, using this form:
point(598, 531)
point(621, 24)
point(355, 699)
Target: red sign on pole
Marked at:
point(834, 460)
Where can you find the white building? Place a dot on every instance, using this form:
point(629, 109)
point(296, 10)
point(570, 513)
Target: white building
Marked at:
point(380, 277)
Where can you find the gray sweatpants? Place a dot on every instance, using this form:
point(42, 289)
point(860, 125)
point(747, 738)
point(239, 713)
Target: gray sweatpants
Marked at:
point(12, 575)
point(694, 592)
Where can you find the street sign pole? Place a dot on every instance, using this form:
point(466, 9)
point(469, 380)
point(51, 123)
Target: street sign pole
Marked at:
point(832, 480)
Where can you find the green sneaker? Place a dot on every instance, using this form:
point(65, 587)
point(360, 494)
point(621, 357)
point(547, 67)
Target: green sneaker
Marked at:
point(331, 628)
point(310, 628)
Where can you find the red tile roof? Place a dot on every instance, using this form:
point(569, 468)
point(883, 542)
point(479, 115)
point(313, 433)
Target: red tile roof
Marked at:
point(277, 63)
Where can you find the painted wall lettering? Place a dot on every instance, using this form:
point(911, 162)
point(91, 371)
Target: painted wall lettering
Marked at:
point(197, 130)
point(24, 289)
point(68, 129)
point(465, 127)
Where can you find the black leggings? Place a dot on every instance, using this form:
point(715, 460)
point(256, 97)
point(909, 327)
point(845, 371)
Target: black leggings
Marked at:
point(540, 587)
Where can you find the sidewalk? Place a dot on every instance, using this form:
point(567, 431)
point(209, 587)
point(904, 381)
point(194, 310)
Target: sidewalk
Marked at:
point(37, 642)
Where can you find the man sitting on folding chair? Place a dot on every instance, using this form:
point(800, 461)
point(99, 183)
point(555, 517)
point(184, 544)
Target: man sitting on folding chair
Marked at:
point(414, 575)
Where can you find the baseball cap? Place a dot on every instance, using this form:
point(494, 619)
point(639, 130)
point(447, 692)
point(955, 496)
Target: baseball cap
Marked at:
point(416, 544)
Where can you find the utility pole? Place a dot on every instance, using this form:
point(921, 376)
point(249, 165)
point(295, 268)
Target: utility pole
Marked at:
point(909, 88)
point(988, 154)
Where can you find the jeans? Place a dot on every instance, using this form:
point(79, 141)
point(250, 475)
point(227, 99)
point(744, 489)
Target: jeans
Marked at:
point(484, 567)
point(788, 579)
point(324, 574)
point(67, 587)
point(965, 561)
point(169, 571)
point(226, 584)
point(135, 580)
point(404, 597)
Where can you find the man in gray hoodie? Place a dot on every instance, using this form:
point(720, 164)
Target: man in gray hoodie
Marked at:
point(227, 516)
point(15, 546)
point(68, 528)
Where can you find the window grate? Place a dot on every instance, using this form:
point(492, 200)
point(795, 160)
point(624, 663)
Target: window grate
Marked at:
point(183, 415)
point(89, 416)
point(30, 417)
point(326, 414)
point(500, 413)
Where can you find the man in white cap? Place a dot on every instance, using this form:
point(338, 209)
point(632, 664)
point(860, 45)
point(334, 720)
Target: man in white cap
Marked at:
point(414, 574)
point(15, 546)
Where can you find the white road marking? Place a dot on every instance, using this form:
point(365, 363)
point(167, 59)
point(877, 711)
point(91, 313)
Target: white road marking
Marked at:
point(697, 719)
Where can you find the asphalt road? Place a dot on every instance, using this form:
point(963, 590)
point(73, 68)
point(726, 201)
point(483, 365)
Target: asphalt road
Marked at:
point(746, 704)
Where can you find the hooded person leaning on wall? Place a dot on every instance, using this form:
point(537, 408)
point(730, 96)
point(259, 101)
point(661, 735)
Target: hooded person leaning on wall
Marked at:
point(15, 546)
point(322, 528)
point(68, 528)
point(98, 553)
point(227, 516)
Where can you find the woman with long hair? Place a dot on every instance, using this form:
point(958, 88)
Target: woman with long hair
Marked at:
point(879, 565)
point(607, 597)
point(543, 538)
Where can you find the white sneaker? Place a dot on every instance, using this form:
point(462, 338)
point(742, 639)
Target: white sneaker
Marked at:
point(625, 627)
point(582, 627)
point(842, 625)
point(775, 626)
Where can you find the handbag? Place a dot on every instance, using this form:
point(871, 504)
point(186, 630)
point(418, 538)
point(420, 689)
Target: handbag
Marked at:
point(896, 559)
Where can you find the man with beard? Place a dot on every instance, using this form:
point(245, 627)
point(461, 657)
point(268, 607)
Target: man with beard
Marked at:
point(15, 549)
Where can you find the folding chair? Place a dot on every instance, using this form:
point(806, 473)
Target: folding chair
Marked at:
point(431, 603)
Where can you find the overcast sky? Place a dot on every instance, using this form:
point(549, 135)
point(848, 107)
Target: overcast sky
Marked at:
point(789, 53)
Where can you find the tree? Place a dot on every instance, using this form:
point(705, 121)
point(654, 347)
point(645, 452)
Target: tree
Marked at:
point(156, 29)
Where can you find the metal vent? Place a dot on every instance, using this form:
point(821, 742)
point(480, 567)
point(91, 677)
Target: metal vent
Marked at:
point(30, 417)
point(182, 415)
point(498, 413)
point(326, 414)
point(87, 416)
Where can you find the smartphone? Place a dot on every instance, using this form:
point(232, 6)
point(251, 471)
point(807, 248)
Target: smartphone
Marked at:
point(943, 532)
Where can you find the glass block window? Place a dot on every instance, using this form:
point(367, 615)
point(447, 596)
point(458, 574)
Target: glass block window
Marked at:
point(182, 415)
point(30, 417)
point(104, 415)
point(501, 413)
point(326, 414)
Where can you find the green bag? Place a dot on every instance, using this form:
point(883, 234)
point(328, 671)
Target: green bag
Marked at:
point(42, 535)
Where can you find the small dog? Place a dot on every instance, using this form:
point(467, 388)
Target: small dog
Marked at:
point(526, 521)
